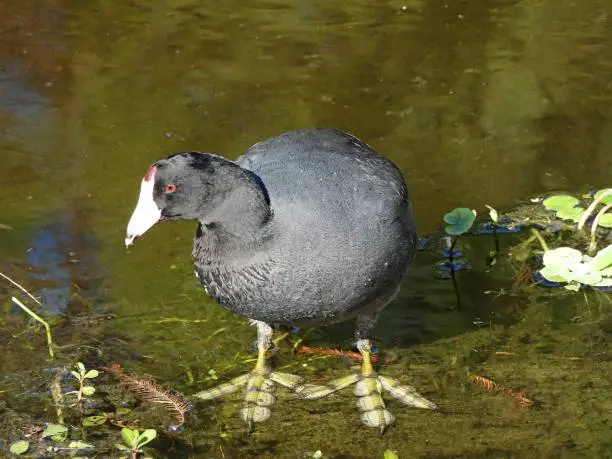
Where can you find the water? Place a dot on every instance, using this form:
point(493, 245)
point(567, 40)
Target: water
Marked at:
point(477, 102)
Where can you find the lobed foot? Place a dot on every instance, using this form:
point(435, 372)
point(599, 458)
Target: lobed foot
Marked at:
point(259, 387)
point(368, 388)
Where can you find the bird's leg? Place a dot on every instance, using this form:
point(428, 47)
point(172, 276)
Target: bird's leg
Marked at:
point(369, 384)
point(259, 394)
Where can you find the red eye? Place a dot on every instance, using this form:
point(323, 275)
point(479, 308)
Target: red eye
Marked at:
point(170, 188)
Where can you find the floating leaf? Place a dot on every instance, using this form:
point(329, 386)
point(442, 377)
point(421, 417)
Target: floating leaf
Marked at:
point(560, 201)
point(54, 429)
point(91, 374)
point(562, 257)
point(586, 278)
point(554, 274)
point(459, 221)
point(19, 447)
point(146, 437)
point(571, 213)
point(80, 445)
point(94, 420)
point(88, 390)
point(607, 199)
point(602, 260)
point(605, 220)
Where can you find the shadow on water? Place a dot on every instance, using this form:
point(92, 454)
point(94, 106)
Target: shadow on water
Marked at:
point(477, 102)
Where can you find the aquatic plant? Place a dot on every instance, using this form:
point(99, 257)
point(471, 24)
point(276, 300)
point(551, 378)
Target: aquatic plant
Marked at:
point(85, 390)
point(457, 222)
point(31, 313)
point(572, 268)
point(519, 397)
point(149, 392)
point(494, 215)
point(135, 441)
point(568, 207)
point(57, 433)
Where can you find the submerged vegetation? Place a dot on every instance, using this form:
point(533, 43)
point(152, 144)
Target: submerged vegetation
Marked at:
point(85, 413)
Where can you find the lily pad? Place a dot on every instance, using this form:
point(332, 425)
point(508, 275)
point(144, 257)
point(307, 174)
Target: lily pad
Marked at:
point(562, 257)
point(554, 274)
point(459, 221)
point(586, 278)
point(605, 220)
point(54, 429)
point(560, 202)
point(19, 447)
point(607, 199)
point(570, 213)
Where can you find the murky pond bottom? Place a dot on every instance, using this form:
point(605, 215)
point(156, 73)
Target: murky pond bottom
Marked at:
point(515, 373)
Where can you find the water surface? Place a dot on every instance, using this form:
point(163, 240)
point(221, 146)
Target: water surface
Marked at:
point(489, 102)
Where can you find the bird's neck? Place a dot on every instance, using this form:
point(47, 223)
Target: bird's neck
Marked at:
point(240, 222)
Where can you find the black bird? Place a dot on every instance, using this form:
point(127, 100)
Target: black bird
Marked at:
point(309, 227)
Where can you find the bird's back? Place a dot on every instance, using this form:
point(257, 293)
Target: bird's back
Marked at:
point(343, 227)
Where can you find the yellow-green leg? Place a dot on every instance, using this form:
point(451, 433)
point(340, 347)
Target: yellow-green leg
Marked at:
point(368, 388)
point(260, 382)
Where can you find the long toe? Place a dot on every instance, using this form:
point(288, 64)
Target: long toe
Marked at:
point(405, 394)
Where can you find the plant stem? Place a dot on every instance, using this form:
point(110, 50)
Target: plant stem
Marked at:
point(593, 245)
point(493, 258)
point(451, 260)
point(39, 319)
point(20, 288)
point(540, 239)
point(591, 208)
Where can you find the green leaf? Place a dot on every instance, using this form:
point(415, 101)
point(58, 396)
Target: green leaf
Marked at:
point(606, 272)
point(122, 447)
point(79, 445)
point(604, 283)
point(554, 274)
point(19, 447)
point(493, 214)
point(607, 199)
point(80, 367)
point(388, 454)
point(76, 375)
point(92, 374)
point(88, 390)
point(571, 213)
point(562, 257)
point(94, 420)
point(605, 220)
point(459, 221)
point(573, 286)
point(602, 260)
point(54, 429)
point(129, 436)
point(146, 437)
point(560, 201)
point(587, 278)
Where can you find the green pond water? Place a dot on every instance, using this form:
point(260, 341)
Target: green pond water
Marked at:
point(484, 102)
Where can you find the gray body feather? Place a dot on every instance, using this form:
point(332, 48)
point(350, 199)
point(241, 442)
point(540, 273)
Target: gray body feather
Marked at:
point(338, 241)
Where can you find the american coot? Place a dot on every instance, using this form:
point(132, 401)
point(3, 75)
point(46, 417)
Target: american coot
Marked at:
point(309, 227)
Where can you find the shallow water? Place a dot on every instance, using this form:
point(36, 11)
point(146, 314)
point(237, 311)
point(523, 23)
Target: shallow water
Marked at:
point(477, 102)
